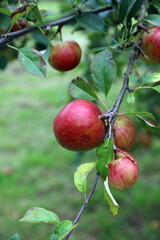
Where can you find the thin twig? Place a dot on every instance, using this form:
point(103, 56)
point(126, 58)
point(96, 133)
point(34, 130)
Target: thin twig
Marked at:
point(62, 21)
point(111, 115)
point(85, 204)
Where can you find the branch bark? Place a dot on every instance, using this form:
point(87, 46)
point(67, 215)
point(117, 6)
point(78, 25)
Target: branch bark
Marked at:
point(85, 204)
point(60, 22)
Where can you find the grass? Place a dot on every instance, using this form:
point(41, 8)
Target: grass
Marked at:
point(36, 171)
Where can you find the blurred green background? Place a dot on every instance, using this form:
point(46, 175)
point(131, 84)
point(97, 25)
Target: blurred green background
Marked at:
point(36, 171)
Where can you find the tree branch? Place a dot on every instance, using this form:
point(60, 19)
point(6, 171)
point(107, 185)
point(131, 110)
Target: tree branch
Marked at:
point(112, 113)
point(85, 204)
point(60, 22)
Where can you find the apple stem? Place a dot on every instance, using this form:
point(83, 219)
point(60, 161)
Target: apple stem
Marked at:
point(58, 31)
point(85, 204)
point(141, 51)
point(130, 90)
point(140, 26)
point(124, 153)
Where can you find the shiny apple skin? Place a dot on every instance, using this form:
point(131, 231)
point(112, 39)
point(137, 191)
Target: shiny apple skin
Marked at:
point(123, 172)
point(125, 132)
point(77, 126)
point(65, 55)
point(150, 44)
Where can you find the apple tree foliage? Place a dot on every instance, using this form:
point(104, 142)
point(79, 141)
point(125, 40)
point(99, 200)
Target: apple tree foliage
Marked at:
point(129, 20)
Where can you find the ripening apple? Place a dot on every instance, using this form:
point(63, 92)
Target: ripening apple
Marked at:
point(125, 132)
point(123, 171)
point(150, 44)
point(77, 127)
point(65, 55)
point(19, 25)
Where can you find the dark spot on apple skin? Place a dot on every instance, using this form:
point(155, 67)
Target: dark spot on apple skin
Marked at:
point(86, 139)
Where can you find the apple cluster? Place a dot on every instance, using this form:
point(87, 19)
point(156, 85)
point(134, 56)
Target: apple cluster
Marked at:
point(78, 127)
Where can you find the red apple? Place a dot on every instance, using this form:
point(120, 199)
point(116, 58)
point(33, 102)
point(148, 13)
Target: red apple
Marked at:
point(77, 126)
point(125, 132)
point(65, 55)
point(150, 45)
point(123, 171)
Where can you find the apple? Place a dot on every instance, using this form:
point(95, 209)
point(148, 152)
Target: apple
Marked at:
point(150, 44)
point(77, 127)
point(19, 25)
point(125, 132)
point(65, 55)
point(123, 171)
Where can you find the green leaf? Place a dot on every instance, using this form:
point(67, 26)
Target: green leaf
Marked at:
point(151, 77)
point(104, 155)
point(32, 61)
point(32, 1)
point(123, 9)
point(154, 19)
point(91, 22)
point(20, 12)
point(149, 126)
point(80, 176)
point(81, 88)
point(54, 237)
point(3, 61)
point(134, 77)
point(71, 2)
point(99, 49)
point(131, 98)
point(40, 215)
point(5, 11)
point(147, 114)
point(15, 237)
point(157, 88)
point(103, 70)
point(62, 229)
point(134, 7)
point(114, 4)
point(46, 53)
point(114, 207)
point(128, 9)
point(35, 16)
point(138, 34)
point(114, 46)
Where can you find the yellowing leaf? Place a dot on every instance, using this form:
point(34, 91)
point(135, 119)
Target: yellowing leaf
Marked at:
point(114, 207)
point(81, 174)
